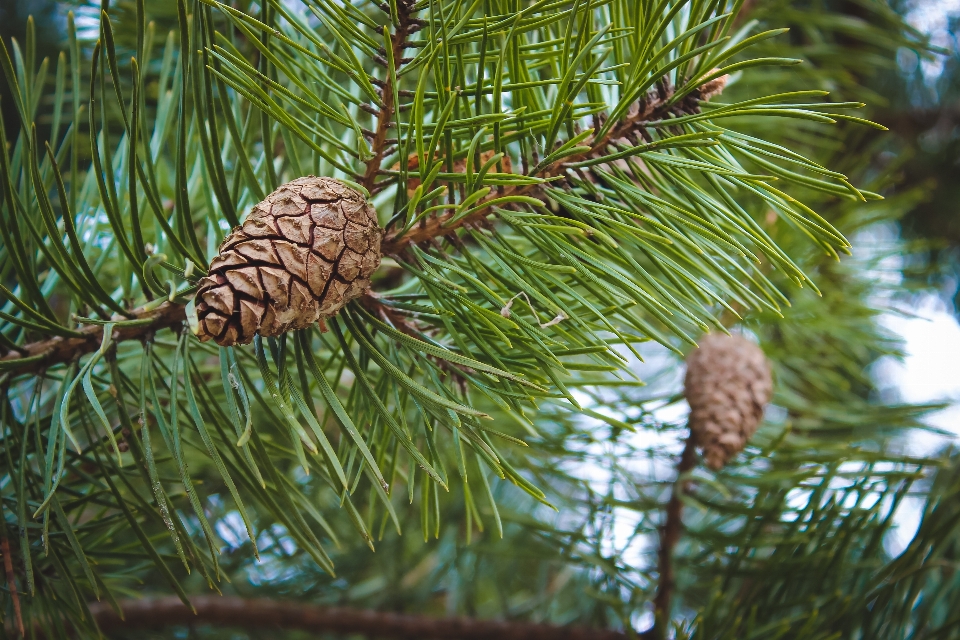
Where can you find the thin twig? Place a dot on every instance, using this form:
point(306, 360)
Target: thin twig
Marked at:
point(235, 612)
point(46, 353)
point(12, 583)
point(650, 110)
point(386, 112)
point(669, 536)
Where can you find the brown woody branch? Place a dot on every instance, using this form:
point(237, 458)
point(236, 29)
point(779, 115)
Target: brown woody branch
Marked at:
point(37, 356)
point(386, 112)
point(42, 354)
point(669, 537)
point(651, 109)
point(225, 611)
point(11, 583)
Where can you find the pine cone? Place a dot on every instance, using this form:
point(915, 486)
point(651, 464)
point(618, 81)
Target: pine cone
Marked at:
point(300, 255)
point(728, 385)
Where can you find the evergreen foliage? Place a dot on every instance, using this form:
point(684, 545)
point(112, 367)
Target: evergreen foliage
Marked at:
point(564, 185)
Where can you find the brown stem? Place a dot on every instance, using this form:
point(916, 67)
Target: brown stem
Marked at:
point(385, 115)
point(36, 356)
point(12, 583)
point(46, 353)
point(652, 109)
point(226, 611)
point(669, 536)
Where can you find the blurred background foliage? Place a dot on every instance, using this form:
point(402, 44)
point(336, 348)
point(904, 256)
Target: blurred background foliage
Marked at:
point(791, 540)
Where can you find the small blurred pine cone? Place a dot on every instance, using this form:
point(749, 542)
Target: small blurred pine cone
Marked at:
point(300, 255)
point(728, 385)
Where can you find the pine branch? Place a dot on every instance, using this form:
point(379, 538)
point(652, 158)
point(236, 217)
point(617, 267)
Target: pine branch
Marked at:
point(386, 112)
point(11, 583)
point(669, 537)
point(40, 355)
point(683, 239)
point(264, 613)
point(655, 107)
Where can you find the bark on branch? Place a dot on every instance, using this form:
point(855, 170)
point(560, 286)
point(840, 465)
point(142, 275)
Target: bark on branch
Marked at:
point(42, 354)
point(225, 611)
point(669, 536)
point(11, 583)
point(385, 114)
point(653, 108)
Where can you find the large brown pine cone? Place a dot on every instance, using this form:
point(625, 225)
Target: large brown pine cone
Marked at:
point(300, 255)
point(728, 386)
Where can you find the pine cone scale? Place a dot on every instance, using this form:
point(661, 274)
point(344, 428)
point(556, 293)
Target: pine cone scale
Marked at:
point(301, 254)
point(328, 243)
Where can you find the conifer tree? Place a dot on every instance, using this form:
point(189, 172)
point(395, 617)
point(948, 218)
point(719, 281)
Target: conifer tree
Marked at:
point(338, 317)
